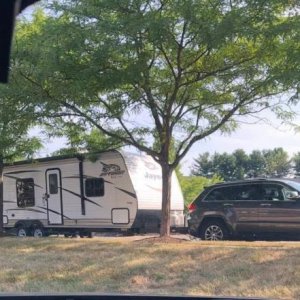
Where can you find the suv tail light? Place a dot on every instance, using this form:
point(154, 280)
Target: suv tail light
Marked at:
point(192, 207)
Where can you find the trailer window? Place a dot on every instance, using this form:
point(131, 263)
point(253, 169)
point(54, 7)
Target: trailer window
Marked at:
point(53, 184)
point(94, 187)
point(25, 192)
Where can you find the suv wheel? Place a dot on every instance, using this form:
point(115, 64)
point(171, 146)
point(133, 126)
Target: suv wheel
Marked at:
point(213, 231)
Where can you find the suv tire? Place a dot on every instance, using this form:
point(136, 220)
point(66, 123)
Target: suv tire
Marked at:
point(213, 230)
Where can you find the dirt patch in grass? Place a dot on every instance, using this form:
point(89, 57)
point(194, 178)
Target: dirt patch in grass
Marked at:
point(58, 265)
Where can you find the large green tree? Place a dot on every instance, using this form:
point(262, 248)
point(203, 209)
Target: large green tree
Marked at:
point(239, 165)
point(156, 70)
point(227, 166)
point(15, 120)
point(192, 186)
point(256, 164)
point(277, 162)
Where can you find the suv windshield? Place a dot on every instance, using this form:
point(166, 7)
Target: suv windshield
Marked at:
point(294, 184)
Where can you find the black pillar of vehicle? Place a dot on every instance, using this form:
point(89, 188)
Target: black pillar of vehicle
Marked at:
point(7, 16)
point(8, 12)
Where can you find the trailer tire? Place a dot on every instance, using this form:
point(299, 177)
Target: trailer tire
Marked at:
point(91, 235)
point(38, 232)
point(22, 231)
point(86, 234)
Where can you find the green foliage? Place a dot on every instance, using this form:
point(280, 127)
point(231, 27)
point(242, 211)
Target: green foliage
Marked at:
point(256, 164)
point(239, 165)
point(192, 186)
point(16, 118)
point(277, 162)
point(80, 141)
point(23, 149)
point(227, 166)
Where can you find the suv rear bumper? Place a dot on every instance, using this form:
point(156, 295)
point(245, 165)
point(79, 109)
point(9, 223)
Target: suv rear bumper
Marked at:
point(193, 227)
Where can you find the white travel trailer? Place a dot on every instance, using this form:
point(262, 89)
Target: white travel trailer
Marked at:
point(113, 191)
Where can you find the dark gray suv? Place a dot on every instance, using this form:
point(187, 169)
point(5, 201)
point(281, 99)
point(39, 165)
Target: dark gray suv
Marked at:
point(249, 207)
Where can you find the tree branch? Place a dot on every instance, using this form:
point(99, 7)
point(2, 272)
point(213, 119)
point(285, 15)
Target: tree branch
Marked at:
point(203, 135)
point(205, 75)
point(127, 140)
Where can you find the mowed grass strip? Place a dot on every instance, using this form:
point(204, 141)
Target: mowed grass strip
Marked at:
point(119, 265)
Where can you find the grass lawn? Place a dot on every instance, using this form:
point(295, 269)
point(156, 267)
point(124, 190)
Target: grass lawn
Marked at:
point(120, 265)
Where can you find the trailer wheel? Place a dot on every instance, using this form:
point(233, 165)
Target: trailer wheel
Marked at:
point(86, 234)
point(38, 232)
point(22, 231)
point(91, 235)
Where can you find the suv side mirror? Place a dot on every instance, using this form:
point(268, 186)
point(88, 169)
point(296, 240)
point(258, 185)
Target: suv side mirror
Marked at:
point(293, 195)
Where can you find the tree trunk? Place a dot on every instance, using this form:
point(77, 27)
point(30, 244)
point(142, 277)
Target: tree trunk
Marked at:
point(1, 195)
point(166, 200)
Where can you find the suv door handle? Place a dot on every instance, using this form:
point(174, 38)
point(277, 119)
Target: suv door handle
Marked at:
point(266, 204)
point(227, 205)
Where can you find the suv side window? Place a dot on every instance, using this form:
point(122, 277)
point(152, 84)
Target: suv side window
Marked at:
point(246, 192)
point(289, 193)
point(272, 192)
point(219, 194)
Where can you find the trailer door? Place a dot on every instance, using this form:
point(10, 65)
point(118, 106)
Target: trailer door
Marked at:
point(54, 195)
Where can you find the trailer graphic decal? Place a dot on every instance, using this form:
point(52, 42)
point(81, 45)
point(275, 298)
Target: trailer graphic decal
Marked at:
point(126, 192)
point(54, 211)
point(111, 169)
point(78, 177)
point(19, 178)
point(27, 209)
point(108, 182)
point(26, 171)
point(79, 196)
point(85, 177)
point(154, 188)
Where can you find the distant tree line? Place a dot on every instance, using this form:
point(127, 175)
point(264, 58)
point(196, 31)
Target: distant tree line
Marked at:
point(240, 165)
